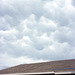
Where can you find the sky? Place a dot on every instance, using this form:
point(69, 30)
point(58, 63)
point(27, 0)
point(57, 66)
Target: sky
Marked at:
point(36, 31)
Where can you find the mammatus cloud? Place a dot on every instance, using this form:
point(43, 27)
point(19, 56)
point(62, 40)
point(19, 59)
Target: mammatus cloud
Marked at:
point(37, 30)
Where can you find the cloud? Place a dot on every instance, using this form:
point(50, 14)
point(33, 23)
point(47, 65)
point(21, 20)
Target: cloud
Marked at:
point(73, 2)
point(32, 31)
point(17, 61)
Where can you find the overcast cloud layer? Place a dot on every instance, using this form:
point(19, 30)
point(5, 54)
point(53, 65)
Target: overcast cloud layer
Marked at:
point(36, 30)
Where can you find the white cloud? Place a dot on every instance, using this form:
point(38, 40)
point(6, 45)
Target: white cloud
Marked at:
point(36, 30)
point(15, 61)
point(73, 2)
point(9, 34)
